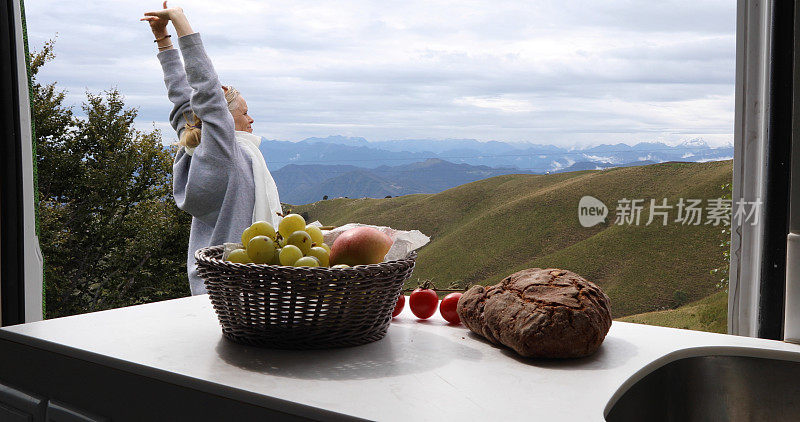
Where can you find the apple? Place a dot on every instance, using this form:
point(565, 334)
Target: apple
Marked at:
point(359, 246)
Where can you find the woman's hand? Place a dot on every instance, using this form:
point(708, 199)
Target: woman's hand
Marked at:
point(158, 19)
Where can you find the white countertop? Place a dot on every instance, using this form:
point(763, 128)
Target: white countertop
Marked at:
point(422, 370)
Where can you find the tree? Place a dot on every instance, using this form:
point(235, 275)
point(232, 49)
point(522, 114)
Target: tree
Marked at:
point(111, 234)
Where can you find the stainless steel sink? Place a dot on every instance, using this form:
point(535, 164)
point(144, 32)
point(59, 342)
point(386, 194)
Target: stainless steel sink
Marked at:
point(714, 388)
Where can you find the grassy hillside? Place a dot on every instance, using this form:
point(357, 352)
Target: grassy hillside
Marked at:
point(709, 314)
point(482, 231)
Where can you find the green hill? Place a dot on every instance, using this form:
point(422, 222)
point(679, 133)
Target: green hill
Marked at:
point(709, 314)
point(482, 231)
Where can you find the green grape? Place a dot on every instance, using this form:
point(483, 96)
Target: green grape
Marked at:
point(290, 224)
point(326, 247)
point(264, 228)
point(301, 239)
point(261, 249)
point(315, 233)
point(341, 266)
point(276, 257)
point(321, 254)
point(259, 228)
point(290, 254)
point(307, 261)
point(247, 234)
point(239, 256)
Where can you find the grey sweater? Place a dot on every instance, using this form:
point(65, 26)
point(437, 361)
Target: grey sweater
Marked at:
point(215, 184)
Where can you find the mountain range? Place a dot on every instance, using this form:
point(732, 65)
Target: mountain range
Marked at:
point(302, 184)
point(337, 166)
point(358, 152)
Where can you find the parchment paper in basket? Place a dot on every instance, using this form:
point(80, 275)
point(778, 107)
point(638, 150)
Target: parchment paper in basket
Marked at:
point(230, 247)
point(405, 241)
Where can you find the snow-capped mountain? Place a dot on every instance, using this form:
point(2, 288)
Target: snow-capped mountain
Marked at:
point(340, 150)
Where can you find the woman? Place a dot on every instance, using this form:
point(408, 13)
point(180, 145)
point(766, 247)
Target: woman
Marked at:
point(219, 174)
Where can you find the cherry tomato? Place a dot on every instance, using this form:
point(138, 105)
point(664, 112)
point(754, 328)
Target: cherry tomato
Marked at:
point(423, 303)
point(401, 303)
point(448, 308)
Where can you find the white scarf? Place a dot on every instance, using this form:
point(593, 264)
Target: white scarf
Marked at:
point(267, 203)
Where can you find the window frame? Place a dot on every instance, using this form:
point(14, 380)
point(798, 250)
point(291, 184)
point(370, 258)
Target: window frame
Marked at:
point(763, 136)
point(20, 257)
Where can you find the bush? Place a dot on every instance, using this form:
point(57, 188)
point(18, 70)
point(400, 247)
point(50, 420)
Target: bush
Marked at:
point(110, 232)
point(679, 298)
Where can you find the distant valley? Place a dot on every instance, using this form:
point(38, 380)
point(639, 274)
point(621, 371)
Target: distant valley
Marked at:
point(303, 184)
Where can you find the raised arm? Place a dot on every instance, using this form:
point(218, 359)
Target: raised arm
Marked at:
point(178, 89)
point(207, 99)
point(200, 181)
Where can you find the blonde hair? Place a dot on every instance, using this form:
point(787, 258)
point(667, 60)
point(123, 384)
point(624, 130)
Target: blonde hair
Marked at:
point(190, 137)
point(231, 94)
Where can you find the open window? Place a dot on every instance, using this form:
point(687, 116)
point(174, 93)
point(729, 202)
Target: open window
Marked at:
point(323, 172)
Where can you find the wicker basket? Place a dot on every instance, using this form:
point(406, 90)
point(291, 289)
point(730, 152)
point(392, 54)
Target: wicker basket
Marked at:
point(301, 307)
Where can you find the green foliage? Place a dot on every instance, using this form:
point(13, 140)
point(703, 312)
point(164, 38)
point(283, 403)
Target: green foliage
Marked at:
point(680, 298)
point(110, 231)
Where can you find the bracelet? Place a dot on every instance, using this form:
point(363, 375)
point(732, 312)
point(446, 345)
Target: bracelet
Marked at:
point(163, 38)
point(165, 47)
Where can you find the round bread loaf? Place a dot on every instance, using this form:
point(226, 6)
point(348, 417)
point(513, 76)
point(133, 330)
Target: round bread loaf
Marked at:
point(548, 313)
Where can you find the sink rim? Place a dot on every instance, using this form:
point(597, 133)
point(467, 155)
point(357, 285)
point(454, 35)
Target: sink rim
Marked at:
point(700, 351)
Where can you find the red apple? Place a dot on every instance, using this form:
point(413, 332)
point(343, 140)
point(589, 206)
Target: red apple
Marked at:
point(360, 245)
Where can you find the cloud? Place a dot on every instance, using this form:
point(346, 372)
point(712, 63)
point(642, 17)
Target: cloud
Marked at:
point(566, 73)
point(507, 105)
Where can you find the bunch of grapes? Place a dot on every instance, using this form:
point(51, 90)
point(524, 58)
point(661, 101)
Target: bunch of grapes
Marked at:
point(295, 244)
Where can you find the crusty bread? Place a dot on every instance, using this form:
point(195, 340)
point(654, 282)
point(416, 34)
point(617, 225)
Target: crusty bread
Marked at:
point(548, 313)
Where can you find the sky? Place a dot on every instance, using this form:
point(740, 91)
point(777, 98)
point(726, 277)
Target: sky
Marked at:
point(568, 73)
